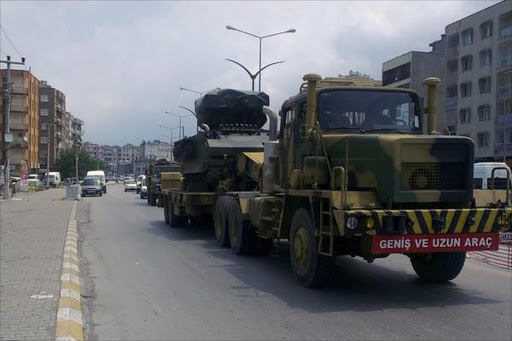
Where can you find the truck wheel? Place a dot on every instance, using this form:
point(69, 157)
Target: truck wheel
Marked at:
point(309, 268)
point(174, 220)
point(221, 221)
point(438, 267)
point(147, 198)
point(152, 200)
point(241, 238)
point(166, 212)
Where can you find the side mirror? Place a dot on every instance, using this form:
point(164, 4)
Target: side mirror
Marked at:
point(306, 131)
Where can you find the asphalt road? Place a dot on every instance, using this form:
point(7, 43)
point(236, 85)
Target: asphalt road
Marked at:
point(150, 282)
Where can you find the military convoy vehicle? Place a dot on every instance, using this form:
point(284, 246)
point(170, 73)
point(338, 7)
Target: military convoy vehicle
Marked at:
point(160, 175)
point(350, 172)
point(231, 122)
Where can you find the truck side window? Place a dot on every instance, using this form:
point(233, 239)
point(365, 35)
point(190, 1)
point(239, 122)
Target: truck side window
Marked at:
point(289, 115)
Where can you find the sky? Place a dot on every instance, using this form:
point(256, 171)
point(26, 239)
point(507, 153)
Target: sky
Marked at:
point(121, 64)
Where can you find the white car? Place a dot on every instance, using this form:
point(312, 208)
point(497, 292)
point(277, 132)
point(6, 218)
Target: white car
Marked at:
point(130, 185)
point(143, 189)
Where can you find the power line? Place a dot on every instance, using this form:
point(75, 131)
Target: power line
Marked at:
point(10, 42)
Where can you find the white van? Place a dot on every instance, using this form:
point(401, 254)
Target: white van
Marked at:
point(52, 179)
point(482, 178)
point(100, 175)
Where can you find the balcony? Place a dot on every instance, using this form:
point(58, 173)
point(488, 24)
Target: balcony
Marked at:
point(19, 90)
point(19, 108)
point(19, 145)
point(19, 127)
point(505, 33)
point(498, 148)
point(504, 92)
point(451, 103)
point(452, 52)
point(452, 77)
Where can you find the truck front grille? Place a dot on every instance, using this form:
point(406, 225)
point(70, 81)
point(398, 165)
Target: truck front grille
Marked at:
point(433, 176)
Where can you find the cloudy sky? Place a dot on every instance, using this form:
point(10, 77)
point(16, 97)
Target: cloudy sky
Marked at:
point(120, 64)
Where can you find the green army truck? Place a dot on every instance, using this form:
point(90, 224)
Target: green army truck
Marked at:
point(350, 172)
point(161, 175)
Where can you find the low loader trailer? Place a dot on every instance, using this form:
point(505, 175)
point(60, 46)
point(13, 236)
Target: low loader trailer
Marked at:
point(351, 172)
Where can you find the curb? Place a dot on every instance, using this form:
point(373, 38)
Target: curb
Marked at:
point(70, 325)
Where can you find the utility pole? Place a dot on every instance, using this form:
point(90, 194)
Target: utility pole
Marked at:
point(48, 139)
point(7, 139)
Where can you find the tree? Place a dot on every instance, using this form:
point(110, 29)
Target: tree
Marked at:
point(65, 163)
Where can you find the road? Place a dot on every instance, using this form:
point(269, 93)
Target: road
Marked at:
point(150, 282)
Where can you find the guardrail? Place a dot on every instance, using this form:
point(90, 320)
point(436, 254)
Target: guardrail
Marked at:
point(502, 257)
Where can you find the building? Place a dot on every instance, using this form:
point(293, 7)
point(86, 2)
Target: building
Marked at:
point(410, 69)
point(156, 150)
point(24, 118)
point(479, 80)
point(76, 130)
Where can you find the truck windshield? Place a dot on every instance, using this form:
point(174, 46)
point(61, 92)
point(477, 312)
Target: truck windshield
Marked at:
point(159, 170)
point(367, 111)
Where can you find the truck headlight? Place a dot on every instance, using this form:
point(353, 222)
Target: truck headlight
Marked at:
point(351, 223)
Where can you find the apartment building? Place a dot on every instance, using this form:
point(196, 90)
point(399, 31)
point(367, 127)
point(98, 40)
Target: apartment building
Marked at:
point(410, 69)
point(478, 80)
point(24, 118)
point(156, 150)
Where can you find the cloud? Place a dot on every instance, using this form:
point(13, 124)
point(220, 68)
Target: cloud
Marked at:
point(121, 64)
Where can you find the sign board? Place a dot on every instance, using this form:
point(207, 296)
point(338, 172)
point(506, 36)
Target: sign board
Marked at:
point(418, 243)
point(506, 237)
point(24, 177)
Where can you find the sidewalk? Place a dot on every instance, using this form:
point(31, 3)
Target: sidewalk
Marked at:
point(32, 234)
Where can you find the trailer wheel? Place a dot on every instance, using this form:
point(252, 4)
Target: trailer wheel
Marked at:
point(147, 198)
point(242, 239)
point(152, 199)
point(166, 211)
point(309, 268)
point(438, 267)
point(174, 220)
point(221, 221)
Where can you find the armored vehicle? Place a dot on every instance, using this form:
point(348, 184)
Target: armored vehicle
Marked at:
point(159, 175)
point(351, 173)
point(231, 123)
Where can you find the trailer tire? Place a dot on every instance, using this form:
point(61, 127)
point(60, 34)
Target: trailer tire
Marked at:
point(241, 238)
point(152, 199)
point(310, 269)
point(221, 221)
point(166, 211)
point(439, 267)
point(174, 220)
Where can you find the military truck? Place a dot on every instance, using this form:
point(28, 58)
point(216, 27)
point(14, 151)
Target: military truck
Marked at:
point(351, 173)
point(160, 175)
point(231, 122)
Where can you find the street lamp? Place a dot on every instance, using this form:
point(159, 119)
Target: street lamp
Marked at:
point(292, 30)
point(48, 138)
point(180, 117)
point(193, 113)
point(194, 91)
point(253, 77)
point(171, 130)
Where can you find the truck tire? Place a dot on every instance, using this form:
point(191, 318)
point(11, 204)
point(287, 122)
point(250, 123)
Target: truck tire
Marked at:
point(241, 238)
point(174, 220)
point(152, 199)
point(221, 221)
point(166, 211)
point(147, 197)
point(439, 267)
point(310, 269)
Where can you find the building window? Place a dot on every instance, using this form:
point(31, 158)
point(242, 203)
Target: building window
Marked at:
point(453, 41)
point(44, 139)
point(451, 91)
point(465, 89)
point(485, 85)
point(482, 139)
point(44, 126)
point(43, 112)
point(466, 63)
point(484, 112)
point(486, 29)
point(465, 115)
point(485, 57)
point(467, 37)
point(452, 66)
point(44, 98)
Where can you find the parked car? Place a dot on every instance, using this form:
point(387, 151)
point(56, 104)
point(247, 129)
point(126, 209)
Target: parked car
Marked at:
point(130, 185)
point(143, 188)
point(92, 186)
point(139, 182)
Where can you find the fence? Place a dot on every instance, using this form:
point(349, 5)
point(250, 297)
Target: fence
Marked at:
point(502, 257)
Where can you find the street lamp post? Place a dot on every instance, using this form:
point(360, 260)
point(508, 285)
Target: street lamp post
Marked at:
point(292, 30)
point(193, 113)
point(194, 91)
point(253, 76)
point(171, 129)
point(48, 139)
point(182, 130)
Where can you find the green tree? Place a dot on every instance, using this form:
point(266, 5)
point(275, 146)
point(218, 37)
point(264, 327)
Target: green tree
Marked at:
point(65, 163)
